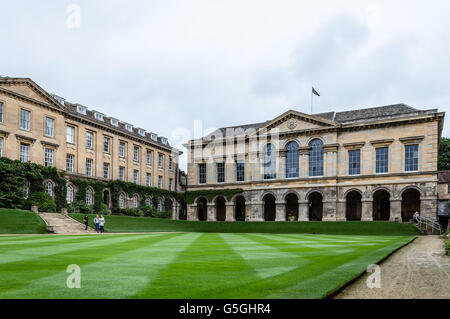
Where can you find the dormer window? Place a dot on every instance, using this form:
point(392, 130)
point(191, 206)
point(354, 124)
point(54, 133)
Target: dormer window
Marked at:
point(115, 122)
point(153, 136)
point(129, 127)
point(141, 132)
point(164, 140)
point(81, 109)
point(59, 99)
point(98, 116)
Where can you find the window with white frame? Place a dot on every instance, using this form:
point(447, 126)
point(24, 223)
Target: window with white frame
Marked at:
point(136, 176)
point(121, 173)
point(135, 201)
point(1, 112)
point(70, 160)
point(202, 173)
point(89, 166)
point(136, 154)
point(26, 189)
point(269, 162)
point(1, 146)
point(160, 182)
point(382, 160)
point(148, 201)
point(316, 158)
point(48, 187)
point(25, 117)
point(292, 162)
point(99, 116)
point(49, 127)
point(89, 196)
point(411, 158)
point(48, 157)
point(106, 144)
point(24, 152)
point(160, 160)
point(70, 134)
point(122, 149)
point(240, 171)
point(69, 194)
point(106, 170)
point(149, 157)
point(122, 201)
point(354, 162)
point(170, 184)
point(89, 140)
point(170, 163)
point(220, 172)
point(148, 179)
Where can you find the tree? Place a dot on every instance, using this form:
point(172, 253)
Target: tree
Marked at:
point(444, 154)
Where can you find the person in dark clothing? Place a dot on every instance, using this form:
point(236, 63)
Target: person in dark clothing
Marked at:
point(86, 222)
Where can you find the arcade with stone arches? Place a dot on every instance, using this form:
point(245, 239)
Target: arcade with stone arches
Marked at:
point(395, 203)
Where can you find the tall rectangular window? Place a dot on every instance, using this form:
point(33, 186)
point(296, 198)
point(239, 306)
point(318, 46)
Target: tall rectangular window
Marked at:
point(89, 140)
point(136, 176)
point(49, 127)
point(170, 163)
point(70, 159)
point(202, 173)
point(24, 152)
point(106, 144)
point(382, 160)
point(220, 172)
point(122, 173)
point(160, 182)
point(354, 162)
point(136, 154)
point(122, 149)
point(148, 179)
point(1, 146)
point(48, 161)
point(89, 166)
point(240, 171)
point(25, 119)
point(149, 157)
point(170, 184)
point(106, 170)
point(411, 158)
point(160, 160)
point(70, 134)
point(1, 112)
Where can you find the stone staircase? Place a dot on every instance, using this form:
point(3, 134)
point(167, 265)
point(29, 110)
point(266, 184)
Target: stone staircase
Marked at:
point(61, 224)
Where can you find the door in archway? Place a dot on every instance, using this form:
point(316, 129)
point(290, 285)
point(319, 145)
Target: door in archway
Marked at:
point(269, 207)
point(315, 206)
point(353, 206)
point(239, 213)
point(201, 209)
point(220, 209)
point(106, 198)
point(381, 205)
point(292, 207)
point(410, 204)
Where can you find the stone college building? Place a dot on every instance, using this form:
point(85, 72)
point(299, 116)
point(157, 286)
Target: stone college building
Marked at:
point(369, 164)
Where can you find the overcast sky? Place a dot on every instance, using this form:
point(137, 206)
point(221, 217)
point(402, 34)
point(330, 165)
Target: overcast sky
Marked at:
point(161, 65)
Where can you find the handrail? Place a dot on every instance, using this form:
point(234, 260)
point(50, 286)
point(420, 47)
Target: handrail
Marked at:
point(429, 223)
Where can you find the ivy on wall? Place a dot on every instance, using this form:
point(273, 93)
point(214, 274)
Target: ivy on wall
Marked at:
point(190, 196)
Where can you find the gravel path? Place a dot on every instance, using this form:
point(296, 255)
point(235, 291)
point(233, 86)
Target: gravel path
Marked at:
point(420, 270)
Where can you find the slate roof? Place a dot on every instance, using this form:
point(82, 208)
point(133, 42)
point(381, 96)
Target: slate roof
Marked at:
point(444, 176)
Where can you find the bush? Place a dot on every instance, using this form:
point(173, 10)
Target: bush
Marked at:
point(103, 210)
point(80, 207)
point(132, 212)
point(43, 201)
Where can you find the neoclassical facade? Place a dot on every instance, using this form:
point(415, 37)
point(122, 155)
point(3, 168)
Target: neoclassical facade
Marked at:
point(43, 128)
point(369, 164)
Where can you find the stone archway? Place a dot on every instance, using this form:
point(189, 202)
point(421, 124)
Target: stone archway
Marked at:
point(410, 203)
point(269, 207)
point(202, 205)
point(353, 209)
point(291, 206)
point(315, 206)
point(220, 209)
point(106, 198)
point(239, 209)
point(182, 210)
point(381, 205)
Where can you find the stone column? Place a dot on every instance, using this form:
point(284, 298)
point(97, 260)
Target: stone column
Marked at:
point(248, 212)
point(192, 212)
point(303, 211)
point(175, 213)
point(340, 213)
point(230, 212)
point(281, 174)
point(366, 213)
point(211, 212)
point(280, 211)
point(396, 210)
point(428, 208)
point(329, 211)
point(257, 212)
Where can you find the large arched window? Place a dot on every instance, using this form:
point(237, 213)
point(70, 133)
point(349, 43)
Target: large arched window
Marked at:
point(292, 160)
point(89, 196)
point(269, 162)
point(148, 201)
point(122, 201)
point(316, 158)
point(69, 194)
point(135, 201)
point(48, 187)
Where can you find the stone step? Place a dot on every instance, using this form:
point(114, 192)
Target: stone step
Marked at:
point(60, 224)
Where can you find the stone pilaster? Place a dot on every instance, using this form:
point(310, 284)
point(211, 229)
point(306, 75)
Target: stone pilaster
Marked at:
point(280, 211)
point(256, 212)
point(329, 211)
point(367, 207)
point(211, 212)
point(303, 211)
point(230, 212)
point(396, 210)
point(340, 213)
point(192, 212)
point(428, 208)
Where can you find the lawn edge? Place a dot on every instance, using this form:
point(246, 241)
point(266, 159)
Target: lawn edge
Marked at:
point(335, 292)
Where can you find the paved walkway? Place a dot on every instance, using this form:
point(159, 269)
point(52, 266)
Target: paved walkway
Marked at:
point(420, 270)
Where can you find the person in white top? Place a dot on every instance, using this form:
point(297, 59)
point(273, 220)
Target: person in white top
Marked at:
point(101, 222)
point(97, 228)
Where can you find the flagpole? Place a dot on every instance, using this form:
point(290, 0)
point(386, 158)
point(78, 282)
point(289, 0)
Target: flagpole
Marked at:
point(311, 102)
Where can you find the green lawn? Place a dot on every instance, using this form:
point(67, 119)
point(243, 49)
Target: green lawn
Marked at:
point(15, 221)
point(188, 265)
point(124, 224)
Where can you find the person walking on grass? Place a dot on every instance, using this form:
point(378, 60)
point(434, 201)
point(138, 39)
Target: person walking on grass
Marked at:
point(101, 222)
point(96, 224)
point(86, 222)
